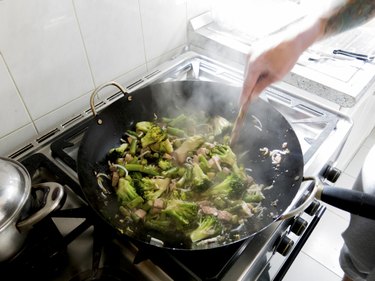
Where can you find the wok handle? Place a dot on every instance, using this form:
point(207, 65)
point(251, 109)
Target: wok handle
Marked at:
point(353, 201)
point(96, 91)
point(307, 202)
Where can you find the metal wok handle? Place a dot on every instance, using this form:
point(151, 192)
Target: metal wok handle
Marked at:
point(96, 91)
point(317, 186)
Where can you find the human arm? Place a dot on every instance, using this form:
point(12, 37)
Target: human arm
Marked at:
point(275, 56)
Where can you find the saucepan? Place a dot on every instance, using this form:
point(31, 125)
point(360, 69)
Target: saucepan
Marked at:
point(17, 213)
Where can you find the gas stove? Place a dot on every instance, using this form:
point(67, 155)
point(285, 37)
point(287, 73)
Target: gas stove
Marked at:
point(73, 244)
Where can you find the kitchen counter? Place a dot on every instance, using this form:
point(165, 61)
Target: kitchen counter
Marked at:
point(336, 78)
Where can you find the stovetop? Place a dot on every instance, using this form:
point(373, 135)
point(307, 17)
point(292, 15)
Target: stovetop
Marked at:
point(72, 244)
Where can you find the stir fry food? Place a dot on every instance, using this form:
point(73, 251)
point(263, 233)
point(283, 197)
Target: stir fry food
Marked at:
point(178, 179)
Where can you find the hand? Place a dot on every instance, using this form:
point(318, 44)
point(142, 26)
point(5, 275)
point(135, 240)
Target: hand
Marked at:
point(268, 64)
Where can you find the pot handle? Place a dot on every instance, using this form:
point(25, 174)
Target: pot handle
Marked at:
point(317, 186)
point(352, 201)
point(96, 91)
point(55, 193)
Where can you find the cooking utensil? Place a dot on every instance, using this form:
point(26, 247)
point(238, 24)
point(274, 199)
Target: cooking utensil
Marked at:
point(16, 216)
point(172, 98)
point(238, 123)
point(357, 56)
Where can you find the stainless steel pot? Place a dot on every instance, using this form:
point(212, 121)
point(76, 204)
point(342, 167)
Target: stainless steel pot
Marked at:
point(15, 193)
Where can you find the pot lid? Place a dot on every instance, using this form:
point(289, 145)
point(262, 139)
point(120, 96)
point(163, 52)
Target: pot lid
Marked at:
point(15, 185)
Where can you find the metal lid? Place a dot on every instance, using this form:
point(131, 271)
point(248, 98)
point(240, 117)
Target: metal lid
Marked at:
point(15, 185)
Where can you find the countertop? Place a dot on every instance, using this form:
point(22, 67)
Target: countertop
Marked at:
point(336, 78)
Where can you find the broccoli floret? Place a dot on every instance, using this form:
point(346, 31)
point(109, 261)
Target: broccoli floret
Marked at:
point(183, 212)
point(151, 188)
point(165, 164)
point(143, 126)
point(181, 121)
point(146, 169)
point(155, 134)
point(225, 153)
point(189, 145)
point(203, 163)
point(200, 180)
point(231, 186)
point(176, 132)
point(220, 125)
point(186, 176)
point(208, 226)
point(173, 172)
point(161, 224)
point(117, 152)
point(127, 193)
point(164, 146)
point(133, 146)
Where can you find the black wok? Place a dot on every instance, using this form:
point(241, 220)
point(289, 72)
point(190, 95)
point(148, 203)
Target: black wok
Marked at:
point(172, 98)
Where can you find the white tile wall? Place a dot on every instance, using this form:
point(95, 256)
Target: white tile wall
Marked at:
point(164, 25)
point(53, 53)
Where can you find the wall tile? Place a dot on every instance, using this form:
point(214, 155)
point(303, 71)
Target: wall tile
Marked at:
point(165, 57)
point(164, 25)
point(13, 114)
point(17, 139)
point(197, 7)
point(43, 49)
point(112, 35)
point(75, 107)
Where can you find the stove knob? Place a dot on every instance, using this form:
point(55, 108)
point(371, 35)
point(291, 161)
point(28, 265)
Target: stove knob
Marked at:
point(312, 208)
point(331, 174)
point(284, 245)
point(298, 226)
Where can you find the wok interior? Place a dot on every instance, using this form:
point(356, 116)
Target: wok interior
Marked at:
point(173, 98)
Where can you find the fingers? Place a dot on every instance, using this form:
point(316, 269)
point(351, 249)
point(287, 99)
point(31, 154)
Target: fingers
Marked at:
point(248, 85)
point(254, 85)
point(263, 82)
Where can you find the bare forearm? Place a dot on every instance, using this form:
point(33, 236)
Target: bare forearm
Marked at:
point(275, 56)
point(349, 14)
point(341, 16)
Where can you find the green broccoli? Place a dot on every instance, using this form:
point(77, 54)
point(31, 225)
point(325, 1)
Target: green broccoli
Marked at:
point(165, 164)
point(155, 134)
point(189, 145)
point(133, 146)
point(143, 126)
point(182, 121)
point(152, 188)
point(208, 226)
point(176, 132)
point(186, 176)
point(158, 223)
point(164, 146)
point(203, 163)
point(200, 180)
point(117, 152)
point(146, 169)
point(231, 186)
point(220, 125)
point(127, 193)
point(225, 154)
point(184, 213)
